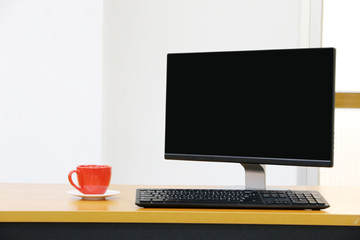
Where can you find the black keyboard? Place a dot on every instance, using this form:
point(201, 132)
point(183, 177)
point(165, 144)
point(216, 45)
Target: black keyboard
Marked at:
point(218, 198)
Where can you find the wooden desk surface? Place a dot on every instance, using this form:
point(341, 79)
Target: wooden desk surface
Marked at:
point(51, 203)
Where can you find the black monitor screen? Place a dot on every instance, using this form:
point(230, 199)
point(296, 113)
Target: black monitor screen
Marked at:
point(264, 106)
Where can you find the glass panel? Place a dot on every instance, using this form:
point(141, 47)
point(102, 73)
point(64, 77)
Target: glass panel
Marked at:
point(341, 30)
point(346, 152)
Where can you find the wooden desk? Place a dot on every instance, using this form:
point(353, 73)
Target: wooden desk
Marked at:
point(45, 209)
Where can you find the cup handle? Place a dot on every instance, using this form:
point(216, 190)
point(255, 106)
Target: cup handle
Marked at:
point(71, 181)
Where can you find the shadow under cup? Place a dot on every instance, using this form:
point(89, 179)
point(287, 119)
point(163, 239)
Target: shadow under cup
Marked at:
point(92, 179)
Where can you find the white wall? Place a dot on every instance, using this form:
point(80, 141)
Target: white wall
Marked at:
point(137, 36)
point(50, 88)
point(51, 91)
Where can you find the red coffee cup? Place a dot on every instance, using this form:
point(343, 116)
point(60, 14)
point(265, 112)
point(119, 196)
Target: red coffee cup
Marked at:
point(92, 179)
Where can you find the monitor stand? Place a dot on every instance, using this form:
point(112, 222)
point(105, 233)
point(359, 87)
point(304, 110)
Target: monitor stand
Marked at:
point(254, 176)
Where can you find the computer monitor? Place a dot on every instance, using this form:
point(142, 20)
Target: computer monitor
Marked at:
point(251, 107)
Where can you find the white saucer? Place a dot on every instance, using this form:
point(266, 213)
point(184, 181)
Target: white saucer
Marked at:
point(108, 193)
